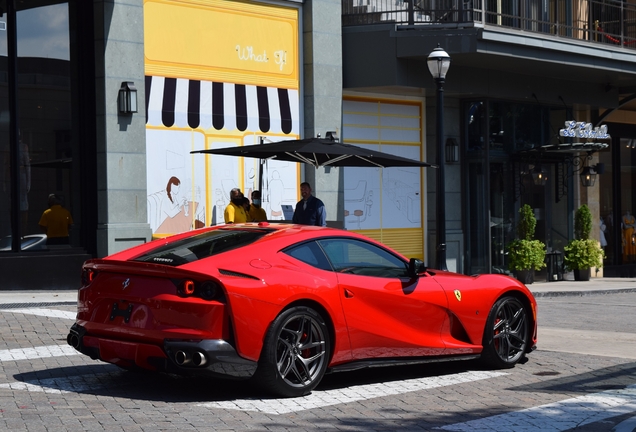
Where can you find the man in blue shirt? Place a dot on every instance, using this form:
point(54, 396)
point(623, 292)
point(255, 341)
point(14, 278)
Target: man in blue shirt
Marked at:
point(309, 210)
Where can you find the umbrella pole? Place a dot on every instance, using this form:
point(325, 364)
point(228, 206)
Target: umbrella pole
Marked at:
point(260, 176)
point(260, 169)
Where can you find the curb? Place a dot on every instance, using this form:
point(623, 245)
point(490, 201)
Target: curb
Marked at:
point(582, 293)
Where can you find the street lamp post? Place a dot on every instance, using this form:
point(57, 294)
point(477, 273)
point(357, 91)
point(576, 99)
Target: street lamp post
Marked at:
point(438, 63)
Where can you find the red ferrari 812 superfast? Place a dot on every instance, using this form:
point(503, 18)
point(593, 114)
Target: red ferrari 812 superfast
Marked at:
point(284, 304)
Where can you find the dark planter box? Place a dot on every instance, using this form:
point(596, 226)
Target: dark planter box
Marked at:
point(582, 274)
point(525, 276)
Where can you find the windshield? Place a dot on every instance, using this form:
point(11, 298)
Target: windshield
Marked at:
point(202, 246)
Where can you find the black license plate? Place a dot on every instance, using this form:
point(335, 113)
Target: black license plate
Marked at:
point(125, 313)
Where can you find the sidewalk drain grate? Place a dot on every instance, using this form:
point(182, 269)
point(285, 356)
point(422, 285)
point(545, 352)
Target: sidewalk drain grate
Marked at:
point(35, 305)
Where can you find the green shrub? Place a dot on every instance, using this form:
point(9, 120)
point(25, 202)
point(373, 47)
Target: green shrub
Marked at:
point(527, 223)
point(525, 253)
point(582, 222)
point(582, 254)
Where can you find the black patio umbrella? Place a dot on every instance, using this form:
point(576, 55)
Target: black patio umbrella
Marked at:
point(319, 152)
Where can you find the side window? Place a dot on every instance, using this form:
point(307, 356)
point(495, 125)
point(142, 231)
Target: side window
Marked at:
point(361, 258)
point(309, 253)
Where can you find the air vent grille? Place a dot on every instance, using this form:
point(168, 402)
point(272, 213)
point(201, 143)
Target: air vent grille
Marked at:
point(236, 274)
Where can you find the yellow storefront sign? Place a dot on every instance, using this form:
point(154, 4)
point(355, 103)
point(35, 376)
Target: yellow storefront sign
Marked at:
point(225, 41)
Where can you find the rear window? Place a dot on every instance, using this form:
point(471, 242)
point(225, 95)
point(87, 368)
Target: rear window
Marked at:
point(202, 246)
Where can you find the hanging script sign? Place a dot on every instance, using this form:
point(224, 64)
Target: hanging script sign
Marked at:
point(574, 129)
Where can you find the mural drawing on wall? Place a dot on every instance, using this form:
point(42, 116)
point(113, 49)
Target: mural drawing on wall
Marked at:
point(240, 90)
point(390, 197)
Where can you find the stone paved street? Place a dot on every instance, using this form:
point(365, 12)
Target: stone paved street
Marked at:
point(47, 386)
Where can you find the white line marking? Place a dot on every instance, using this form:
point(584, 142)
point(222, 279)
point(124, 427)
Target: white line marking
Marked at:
point(559, 416)
point(80, 383)
point(319, 399)
point(37, 352)
point(51, 313)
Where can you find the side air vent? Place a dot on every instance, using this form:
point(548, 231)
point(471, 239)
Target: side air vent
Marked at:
point(236, 274)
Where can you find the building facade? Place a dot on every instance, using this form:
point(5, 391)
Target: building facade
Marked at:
point(215, 73)
point(519, 71)
point(64, 132)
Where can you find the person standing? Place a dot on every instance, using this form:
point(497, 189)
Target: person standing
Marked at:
point(629, 240)
point(235, 212)
point(55, 222)
point(256, 212)
point(309, 210)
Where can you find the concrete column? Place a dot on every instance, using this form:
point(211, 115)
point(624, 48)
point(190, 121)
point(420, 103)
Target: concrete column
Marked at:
point(121, 139)
point(322, 87)
point(589, 195)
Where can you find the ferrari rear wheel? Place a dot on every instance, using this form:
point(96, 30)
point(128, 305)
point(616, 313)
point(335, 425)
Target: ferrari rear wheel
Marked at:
point(506, 334)
point(295, 354)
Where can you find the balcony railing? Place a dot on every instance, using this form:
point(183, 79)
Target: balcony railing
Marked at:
point(609, 22)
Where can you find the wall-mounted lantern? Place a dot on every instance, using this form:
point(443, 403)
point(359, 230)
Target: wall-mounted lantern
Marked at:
point(539, 176)
point(127, 98)
point(588, 174)
point(452, 150)
point(588, 177)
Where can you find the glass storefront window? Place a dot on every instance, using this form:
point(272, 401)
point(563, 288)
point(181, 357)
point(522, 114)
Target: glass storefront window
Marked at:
point(606, 206)
point(44, 114)
point(500, 179)
point(5, 155)
point(476, 134)
point(628, 199)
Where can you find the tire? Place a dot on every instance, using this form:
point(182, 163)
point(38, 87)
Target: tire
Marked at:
point(295, 353)
point(506, 333)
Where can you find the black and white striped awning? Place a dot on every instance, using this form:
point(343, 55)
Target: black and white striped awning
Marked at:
point(180, 102)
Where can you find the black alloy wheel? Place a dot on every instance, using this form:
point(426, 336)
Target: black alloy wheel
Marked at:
point(295, 354)
point(506, 334)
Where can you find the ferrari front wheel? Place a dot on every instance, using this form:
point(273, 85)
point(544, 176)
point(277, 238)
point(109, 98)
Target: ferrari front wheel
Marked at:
point(506, 334)
point(295, 354)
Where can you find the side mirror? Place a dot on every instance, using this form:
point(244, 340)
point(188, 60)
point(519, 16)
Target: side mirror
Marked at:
point(416, 267)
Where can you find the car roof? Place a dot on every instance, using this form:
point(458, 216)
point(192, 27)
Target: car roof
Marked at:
point(284, 233)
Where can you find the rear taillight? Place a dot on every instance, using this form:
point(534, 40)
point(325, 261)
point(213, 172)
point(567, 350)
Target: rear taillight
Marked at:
point(188, 287)
point(208, 290)
point(88, 275)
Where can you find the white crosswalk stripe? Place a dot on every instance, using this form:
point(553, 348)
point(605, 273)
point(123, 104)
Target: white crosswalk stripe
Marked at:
point(559, 416)
point(319, 399)
point(51, 313)
point(37, 352)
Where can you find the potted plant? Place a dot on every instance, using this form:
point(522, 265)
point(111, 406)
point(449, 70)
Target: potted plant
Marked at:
point(583, 253)
point(525, 253)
